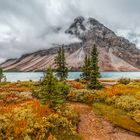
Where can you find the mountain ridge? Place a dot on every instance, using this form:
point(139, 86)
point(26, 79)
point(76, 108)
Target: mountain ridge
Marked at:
point(115, 53)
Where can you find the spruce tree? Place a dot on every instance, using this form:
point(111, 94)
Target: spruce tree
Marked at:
point(52, 91)
point(86, 69)
point(60, 63)
point(57, 62)
point(48, 87)
point(94, 70)
point(1, 74)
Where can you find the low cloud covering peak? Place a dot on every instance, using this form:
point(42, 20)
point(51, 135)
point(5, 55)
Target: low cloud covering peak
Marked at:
point(30, 25)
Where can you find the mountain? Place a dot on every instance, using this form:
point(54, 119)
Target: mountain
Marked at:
point(115, 53)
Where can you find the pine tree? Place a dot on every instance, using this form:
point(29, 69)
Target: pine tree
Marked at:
point(48, 86)
point(60, 63)
point(94, 70)
point(52, 91)
point(64, 68)
point(86, 69)
point(1, 74)
point(57, 62)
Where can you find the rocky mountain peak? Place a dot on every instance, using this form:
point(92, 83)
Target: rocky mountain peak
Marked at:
point(77, 27)
point(80, 23)
point(93, 21)
point(115, 53)
point(79, 19)
point(82, 28)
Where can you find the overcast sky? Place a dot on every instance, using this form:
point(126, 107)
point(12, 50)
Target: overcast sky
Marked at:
point(26, 25)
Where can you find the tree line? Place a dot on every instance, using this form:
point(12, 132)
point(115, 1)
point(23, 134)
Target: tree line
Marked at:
point(90, 69)
point(53, 89)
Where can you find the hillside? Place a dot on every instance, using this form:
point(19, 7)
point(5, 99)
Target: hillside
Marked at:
point(115, 53)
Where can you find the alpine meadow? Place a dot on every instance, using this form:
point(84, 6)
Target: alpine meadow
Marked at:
point(70, 70)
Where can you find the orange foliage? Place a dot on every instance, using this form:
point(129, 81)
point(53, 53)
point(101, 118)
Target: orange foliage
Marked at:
point(40, 110)
point(23, 117)
point(112, 91)
point(75, 84)
point(10, 93)
point(121, 89)
point(18, 124)
point(16, 87)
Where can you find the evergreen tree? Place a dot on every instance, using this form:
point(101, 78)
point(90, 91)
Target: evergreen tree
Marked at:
point(60, 62)
point(1, 74)
point(57, 62)
point(94, 70)
point(52, 91)
point(86, 69)
point(64, 67)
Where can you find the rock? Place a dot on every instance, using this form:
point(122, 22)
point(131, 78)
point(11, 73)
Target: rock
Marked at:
point(115, 53)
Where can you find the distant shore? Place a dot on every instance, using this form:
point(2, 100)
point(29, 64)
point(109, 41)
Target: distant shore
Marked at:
point(36, 76)
point(69, 71)
point(115, 79)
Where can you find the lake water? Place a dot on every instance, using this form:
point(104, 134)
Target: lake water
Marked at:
point(26, 76)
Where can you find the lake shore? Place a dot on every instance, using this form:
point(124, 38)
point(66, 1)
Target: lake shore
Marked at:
point(116, 79)
point(36, 76)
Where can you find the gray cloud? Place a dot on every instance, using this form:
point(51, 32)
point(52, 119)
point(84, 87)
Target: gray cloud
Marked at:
point(28, 25)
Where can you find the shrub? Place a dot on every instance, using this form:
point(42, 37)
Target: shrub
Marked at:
point(124, 81)
point(31, 120)
point(135, 115)
point(121, 89)
point(101, 95)
point(24, 118)
point(69, 113)
point(77, 80)
point(111, 100)
point(18, 121)
point(83, 95)
point(60, 127)
point(127, 103)
point(76, 85)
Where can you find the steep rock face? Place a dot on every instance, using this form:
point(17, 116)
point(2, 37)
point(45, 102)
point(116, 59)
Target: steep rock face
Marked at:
point(115, 53)
point(38, 60)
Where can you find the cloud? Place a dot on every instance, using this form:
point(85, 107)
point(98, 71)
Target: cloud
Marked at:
point(30, 25)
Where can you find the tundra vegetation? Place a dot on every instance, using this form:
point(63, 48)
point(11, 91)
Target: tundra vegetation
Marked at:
point(38, 110)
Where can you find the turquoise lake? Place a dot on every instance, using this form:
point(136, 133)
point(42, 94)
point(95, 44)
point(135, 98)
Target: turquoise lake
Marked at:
point(26, 76)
